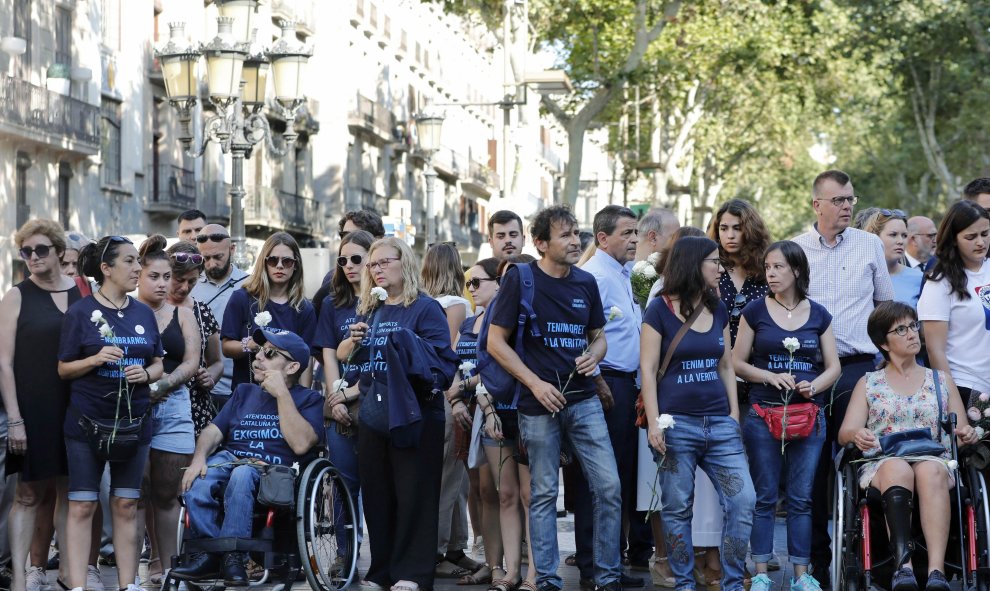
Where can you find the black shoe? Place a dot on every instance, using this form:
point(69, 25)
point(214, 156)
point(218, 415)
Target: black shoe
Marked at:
point(820, 571)
point(937, 582)
point(201, 565)
point(548, 587)
point(52, 562)
point(234, 573)
point(587, 584)
point(904, 580)
point(108, 560)
point(627, 581)
point(613, 586)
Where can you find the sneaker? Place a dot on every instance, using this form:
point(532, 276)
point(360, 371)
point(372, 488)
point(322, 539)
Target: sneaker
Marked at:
point(904, 580)
point(805, 582)
point(94, 582)
point(937, 582)
point(36, 579)
point(761, 582)
point(5, 576)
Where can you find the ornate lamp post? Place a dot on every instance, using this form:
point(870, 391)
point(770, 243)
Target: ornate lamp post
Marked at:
point(237, 80)
point(428, 127)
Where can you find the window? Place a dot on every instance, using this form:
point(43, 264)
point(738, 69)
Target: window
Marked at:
point(63, 35)
point(64, 175)
point(22, 29)
point(110, 124)
point(23, 161)
point(111, 24)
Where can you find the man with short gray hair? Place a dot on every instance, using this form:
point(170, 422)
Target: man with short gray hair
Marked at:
point(655, 230)
point(920, 246)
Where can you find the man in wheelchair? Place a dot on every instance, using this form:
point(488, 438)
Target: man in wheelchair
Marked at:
point(273, 420)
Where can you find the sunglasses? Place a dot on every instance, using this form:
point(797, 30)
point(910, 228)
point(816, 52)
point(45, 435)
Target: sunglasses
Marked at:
point(117, 239)
point(42, 250)
point(355, 259)
point(270, 353)
point(286, 262)
point(893, 213)
point(903, 329)
point(448, 243)
point(185, 257)
point(218, 237)
point(475, 282)
point(737, 305)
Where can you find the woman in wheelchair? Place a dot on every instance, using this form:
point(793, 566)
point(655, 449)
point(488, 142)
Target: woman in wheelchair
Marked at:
point(272, 421)
point(902, 396)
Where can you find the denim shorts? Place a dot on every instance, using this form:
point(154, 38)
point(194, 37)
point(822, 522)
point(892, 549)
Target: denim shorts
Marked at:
point(510, 429)
point(172, 425)
point(85, 472)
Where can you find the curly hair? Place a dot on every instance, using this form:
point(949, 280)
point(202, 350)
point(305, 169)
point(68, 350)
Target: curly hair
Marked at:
point(48, 228)
point(755, 237)
point(949, 265)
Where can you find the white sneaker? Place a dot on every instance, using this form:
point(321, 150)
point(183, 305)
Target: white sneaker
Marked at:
point(94, 582)
point(36, 579)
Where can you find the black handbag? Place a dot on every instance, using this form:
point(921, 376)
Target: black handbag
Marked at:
point(277, 487)
point(112, 441)
point(916, 442)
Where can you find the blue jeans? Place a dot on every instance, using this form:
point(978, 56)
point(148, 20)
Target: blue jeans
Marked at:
point(800, 459)
point(343, 455)
point(714, 444)
point(228, 488)
point(583, 423)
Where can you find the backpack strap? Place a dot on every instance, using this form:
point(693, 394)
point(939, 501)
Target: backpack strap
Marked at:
point(527, 290)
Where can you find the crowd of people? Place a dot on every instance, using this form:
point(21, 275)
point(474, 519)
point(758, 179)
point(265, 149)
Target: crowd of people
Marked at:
point(450, 398)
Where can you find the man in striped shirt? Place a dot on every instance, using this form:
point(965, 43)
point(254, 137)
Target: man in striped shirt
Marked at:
point(849, 277)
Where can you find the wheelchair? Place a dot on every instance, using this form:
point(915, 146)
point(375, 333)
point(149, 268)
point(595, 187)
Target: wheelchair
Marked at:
point(319, 534)
point(861, 557)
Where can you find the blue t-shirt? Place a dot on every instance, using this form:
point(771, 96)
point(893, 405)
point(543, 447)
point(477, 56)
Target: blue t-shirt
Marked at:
point(250, 423)
point(566, 309)
point(95, 394)
point(907, 286)
point(769, 352)
point(692, 384)
point(238, 322)
point(333, 328)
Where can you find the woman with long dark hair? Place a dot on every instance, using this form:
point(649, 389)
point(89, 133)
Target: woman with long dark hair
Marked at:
point(111, 351)
point(696, 397)
point(272, 298)
point(955, 302)
point(789, 377)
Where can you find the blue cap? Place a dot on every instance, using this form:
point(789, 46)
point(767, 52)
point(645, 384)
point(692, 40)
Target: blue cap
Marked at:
point(287, 341)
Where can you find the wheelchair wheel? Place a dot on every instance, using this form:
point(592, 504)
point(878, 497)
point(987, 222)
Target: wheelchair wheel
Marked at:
point(982, 510)
point(326, 527)
point(838, 532)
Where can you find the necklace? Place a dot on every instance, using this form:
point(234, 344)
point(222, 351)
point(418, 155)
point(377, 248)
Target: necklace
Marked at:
point(120, 309)
point(789, 310)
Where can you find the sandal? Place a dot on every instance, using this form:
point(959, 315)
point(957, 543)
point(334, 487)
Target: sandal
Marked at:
point(479, 577)
point(407, 586)
point(504, 585)
point(571, 560)
point(527, 586)
point(660, 579)
point(448, 570)
point(366, 585)
point(155, 574)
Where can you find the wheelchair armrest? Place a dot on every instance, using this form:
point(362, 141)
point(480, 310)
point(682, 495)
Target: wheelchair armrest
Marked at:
point(847, 455)
point(976, 455)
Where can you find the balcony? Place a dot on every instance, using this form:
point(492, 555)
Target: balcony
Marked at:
point(371, 118)
point(49, 119)
point(480, 178)
point(268, 208)
point(302, 13)
point(173, 190)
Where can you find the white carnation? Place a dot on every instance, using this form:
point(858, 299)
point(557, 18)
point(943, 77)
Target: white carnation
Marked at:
point(262, 319)
point(380, 293)
point(96, 316)
point(640, 267)
point(106, 331)
point(613, 313)
point(653, 259)
point(665, 422)
point(481, 389)
point(339, 385)
point(153, 387)
point(650, 272)
point(952, 464)
point(791, 344)
point(466, 367)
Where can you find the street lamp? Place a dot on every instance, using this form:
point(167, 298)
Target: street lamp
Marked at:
point(237, 80)
point(428, 128)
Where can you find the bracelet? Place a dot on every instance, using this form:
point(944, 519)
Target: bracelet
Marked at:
point(456, 400)
point(15, 423)
point(147, 376)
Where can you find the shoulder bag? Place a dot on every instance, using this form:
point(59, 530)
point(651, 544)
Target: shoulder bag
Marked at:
point(641, 421)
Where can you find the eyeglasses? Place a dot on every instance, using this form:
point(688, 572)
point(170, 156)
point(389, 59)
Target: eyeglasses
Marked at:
point(840, 201)
point(118, 239)
point(185, 257)
point(270, 353)
point(893, 213)
point(931, 236)
point(286, 262)
point(42, 250)
point(718, 262)
point(903, 329)
point(218, 237)
point(382, 263)
point(355, 259)
point(475, 282)
point(737, 305)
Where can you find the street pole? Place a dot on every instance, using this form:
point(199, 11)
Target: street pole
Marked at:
point(431, 176)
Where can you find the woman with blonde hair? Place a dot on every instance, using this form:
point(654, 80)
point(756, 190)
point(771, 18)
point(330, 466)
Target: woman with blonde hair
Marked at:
point(401, 420)
point(891, 226)
point(443, 279)
point(271, 298)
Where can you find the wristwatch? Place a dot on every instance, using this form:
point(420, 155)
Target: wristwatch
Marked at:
point(813, 390)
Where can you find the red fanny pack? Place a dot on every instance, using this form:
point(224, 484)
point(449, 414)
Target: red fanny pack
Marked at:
point(789, 422)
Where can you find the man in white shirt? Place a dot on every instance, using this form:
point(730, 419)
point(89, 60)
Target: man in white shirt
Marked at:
point(849, 277)
point(921, 241)
point(219, 280)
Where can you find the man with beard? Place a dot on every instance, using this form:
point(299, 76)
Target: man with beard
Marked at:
point(219, 280)
point(505, 234)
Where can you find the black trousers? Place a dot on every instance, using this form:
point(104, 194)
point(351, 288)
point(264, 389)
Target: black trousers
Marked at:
point(836, 402)
point(401, 493)
point(624, 435)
